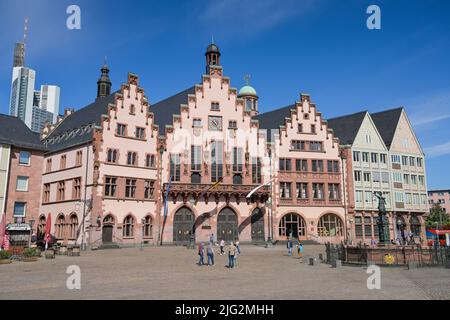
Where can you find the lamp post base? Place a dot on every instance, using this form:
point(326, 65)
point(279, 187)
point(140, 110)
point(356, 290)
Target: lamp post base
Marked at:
point(269, 243)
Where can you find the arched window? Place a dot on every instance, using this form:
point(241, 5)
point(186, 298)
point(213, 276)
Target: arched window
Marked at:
point(128, 227)
point(148, 227)
point(330, 225)
point(73, 227)
point(416, 226)
point(109, 219)
point(41, 227)
point(237, 179)
point(59, 226)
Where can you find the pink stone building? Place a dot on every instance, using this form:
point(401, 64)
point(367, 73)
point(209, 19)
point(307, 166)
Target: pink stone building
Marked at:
point(441, 197)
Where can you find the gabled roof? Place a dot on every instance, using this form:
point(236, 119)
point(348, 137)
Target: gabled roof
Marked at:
point(77, 128)
point(386, 123)
point(346, 127)
point(272, 120)
point(15, 132)
point(165, 109)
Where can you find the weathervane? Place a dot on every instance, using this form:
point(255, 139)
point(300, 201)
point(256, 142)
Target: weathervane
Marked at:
point(247, 79)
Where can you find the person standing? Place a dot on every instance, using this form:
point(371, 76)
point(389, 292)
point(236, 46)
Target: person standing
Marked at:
point(238, 247)
point(201, 254)
point(300, 250)
point(210, 254)
point(211, 239)
point(238, 252)
point(231, 254)
point(222, 245)
point(289, 247)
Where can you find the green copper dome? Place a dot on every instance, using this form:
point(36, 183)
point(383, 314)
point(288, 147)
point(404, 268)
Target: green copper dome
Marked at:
point(247, 91)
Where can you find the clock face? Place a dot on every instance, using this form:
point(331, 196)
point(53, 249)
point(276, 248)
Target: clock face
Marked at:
point(215, 123)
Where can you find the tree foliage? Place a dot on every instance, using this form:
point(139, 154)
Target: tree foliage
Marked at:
point(438, 217)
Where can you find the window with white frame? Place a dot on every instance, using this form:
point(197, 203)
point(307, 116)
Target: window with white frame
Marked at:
point(22, 183)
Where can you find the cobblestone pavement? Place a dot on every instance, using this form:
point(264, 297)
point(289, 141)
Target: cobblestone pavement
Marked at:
point(172, 273)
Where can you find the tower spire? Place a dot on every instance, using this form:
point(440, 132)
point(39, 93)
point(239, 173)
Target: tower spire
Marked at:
point(104, 82)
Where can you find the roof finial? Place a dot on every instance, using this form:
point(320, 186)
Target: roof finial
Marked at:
point(212, 39)
point(247, 79)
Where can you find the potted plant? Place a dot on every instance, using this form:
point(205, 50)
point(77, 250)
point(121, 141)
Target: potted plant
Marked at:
point(5, 257)
point(30, 254)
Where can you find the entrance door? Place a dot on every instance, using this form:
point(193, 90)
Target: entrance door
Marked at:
point(183, 225)
point(107, 234)
point(227, 225)
point(292, 225)
point(258, 225)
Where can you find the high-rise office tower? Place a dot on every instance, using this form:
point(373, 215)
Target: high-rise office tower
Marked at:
point(22, 94)
point(19, 55)
point(45, 107)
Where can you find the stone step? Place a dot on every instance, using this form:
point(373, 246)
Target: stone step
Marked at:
point(106, 246)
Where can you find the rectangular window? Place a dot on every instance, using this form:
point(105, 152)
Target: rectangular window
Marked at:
point(404, 160)
point(149, 189)
point(131, 158)
point(121, 130)
point(313, 128)
point(130, 188)
point(61, 191)
point(376, 176)
point(175, 167)
point(302, 190)
point(359, 197)
point(24, 158)
point(406, 178)
point(62, 162)
point(356, 156)
point(421, 181)
point(368, 197)
point(196, 158)
point(419, 162)
point(140, 133)
point(412, 161)
point(317, 190)
point(285, 164)
point(397, 177)
point(298, 145)
point(413, 179)
point(46, 193)
point(365, 157)
point(197, 123)
point(408, 199)
point(49, 166)
point(19, 209)
point(216, 161)
point(256, 170)
point(300, 128)
point(232, 124)
point(358, 227)
point(150, 161)
point(385, 177)
point(374, 157)
point(333, 166)
point(395, 158)
point(317, 165)
point(383, 158)
point(237, 159)
point(76, 192)
point(215, 106)
point(22, 183)
point(357, 176)
point(366, 176)
point(368, 227)
point(334, 191)
point(315, 146)
point(79, 158)
point(285, 190)
point(301, 165)
point(110, 186)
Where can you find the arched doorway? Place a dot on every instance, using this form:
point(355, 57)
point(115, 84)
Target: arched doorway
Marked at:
point(258, 225)
point(292, 225)
point(227, 225)
point(183, 225)
point(415, 226)
point(401, 229)
point(107, 230)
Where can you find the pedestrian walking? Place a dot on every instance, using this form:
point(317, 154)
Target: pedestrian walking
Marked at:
point(201, 253)
point(211, 239)
point(289, 247)
point(231, 253)
point(222, 245)
point(210, 254)
point(300, 250)
point(238, 247)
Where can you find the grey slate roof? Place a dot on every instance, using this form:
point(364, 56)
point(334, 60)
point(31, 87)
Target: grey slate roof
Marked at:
point(386, 123)
point(14, 131)
point(346, 127)
point(272, 120)
point(165, 109)
point(77, 128)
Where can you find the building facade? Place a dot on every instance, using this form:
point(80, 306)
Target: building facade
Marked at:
point(441, 197)
point(20, 178)
point(205, 161)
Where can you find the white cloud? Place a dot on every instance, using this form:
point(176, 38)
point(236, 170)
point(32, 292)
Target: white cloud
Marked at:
point(430, 109)
point(438, 150)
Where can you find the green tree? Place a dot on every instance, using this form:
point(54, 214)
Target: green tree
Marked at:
point(437, 217)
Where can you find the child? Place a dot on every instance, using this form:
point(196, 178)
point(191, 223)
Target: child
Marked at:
point(222, 245)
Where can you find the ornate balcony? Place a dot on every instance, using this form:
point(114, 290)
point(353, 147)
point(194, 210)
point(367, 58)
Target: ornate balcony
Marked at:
point(222, 192)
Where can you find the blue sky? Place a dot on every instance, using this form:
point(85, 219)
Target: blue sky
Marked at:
point(321, 47)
